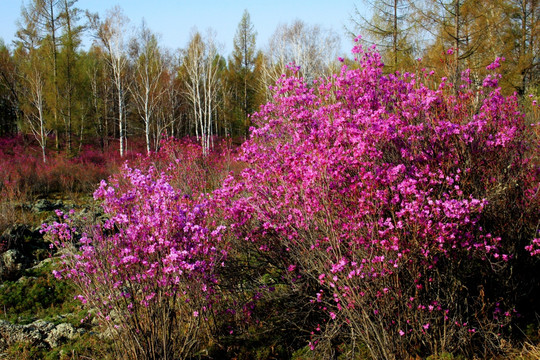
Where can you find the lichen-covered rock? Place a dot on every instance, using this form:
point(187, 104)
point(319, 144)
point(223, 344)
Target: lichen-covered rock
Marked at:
point(13, 259)
point(12, 262)
point(34, 333)
point(40, 333)
point(43, 205)
point(61, 333)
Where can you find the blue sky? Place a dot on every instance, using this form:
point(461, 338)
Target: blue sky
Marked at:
point(174, 19)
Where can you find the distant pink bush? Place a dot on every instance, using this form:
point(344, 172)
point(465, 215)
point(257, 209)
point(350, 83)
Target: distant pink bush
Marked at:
point(394, 198)
point(192, 172)
point(24, 175)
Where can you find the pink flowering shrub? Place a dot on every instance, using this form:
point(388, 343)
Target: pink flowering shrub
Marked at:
point(149, 271)
point(534, 247)
point(403, 205)
point(371, 208)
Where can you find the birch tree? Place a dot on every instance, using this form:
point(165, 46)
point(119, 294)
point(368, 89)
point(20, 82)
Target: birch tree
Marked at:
point(99, 93)
point(311, 47)
point(32, 74)
point(36, 119)
point(201, 70)
point(40, 20)
point(147, 89)
point(110, 34)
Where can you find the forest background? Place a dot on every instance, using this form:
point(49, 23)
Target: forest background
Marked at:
point(129, 85)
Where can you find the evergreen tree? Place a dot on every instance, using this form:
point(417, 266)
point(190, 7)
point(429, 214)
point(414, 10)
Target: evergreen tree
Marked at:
point(9, 102)
point(69, 77)
point(242, 75)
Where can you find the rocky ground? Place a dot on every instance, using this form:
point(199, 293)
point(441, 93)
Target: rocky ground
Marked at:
point(40, 333)
point(36, 311)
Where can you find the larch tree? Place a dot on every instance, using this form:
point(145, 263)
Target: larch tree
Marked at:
point(242, 75)
point(173, 103)
point(68, 75)
point(523, 33)
point(96, 71)
point(390, 28)
point(9, 101)
point(459, 28)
